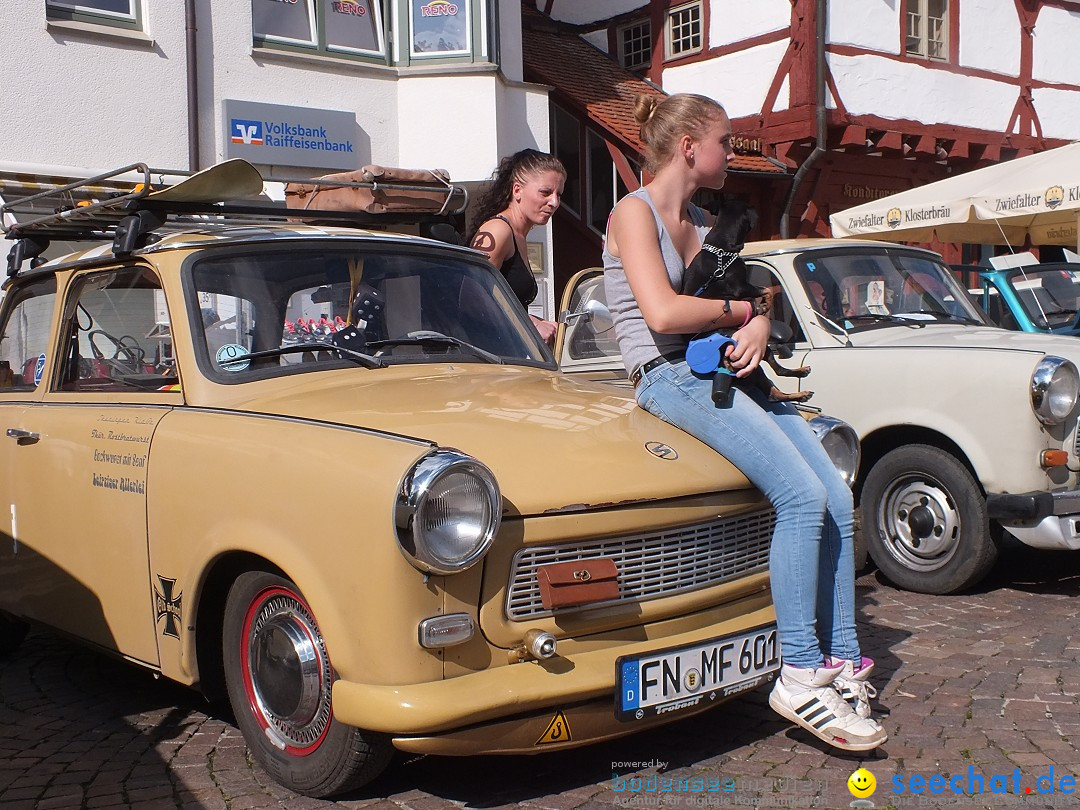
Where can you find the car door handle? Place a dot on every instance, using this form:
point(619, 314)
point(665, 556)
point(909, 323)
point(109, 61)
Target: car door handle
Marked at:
point(22, 436)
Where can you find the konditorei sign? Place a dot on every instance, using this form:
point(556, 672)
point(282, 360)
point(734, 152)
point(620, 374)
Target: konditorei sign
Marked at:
point(291, 136)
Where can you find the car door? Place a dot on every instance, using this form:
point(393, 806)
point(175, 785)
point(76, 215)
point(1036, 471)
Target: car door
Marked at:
point(26, 320)
point(585, 340)
point(80, 491)
point(789, 345)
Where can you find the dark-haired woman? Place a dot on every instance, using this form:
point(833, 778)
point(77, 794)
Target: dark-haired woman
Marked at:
point(524, 192)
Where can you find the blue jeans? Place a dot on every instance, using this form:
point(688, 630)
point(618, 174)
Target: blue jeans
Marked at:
point(811, 559)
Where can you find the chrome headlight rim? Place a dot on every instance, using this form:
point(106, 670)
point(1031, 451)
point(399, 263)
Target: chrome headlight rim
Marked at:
point(1055, 389)
point(842, 444)
point(413, 494)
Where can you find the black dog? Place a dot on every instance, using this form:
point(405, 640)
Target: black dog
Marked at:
point(719, 272)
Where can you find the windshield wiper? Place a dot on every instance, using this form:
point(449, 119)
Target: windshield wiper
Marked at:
point(914, 323)
point(365, 360)
point(951, 316)
point(420, 338)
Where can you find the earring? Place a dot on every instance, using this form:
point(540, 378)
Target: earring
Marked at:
point(691, 154)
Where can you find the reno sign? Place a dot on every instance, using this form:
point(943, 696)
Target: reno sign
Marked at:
point(439, 8)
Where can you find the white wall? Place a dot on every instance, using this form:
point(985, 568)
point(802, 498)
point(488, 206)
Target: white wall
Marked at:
point(92, 102)
point(1054, 58)
point(739, 81)
point(732, 21)
point(990, 36)
point(871, 24)
point(871, 85)
point(587, 11)
point(598, 39)
point(1059, 113)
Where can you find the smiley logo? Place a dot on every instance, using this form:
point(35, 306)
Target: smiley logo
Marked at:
point(862, 784)
point(1054, 196)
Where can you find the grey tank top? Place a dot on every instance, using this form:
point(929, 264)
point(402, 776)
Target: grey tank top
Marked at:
point(638, 343)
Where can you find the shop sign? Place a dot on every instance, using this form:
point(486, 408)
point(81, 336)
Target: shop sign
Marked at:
point(864, 192)
point(291, 136)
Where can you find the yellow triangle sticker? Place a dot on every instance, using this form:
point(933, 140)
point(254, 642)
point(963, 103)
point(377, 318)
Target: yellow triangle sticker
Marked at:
point(558, 731)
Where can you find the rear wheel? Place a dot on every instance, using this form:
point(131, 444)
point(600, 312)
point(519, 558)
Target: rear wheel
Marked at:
point(924, 520)
point(279, 679)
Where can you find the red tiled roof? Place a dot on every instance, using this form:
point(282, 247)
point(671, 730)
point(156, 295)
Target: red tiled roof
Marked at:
point(597, 84)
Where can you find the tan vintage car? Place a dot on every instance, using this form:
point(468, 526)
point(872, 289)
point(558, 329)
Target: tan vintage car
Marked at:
point(335, 475)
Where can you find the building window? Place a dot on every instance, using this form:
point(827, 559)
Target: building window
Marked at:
point(439, 28)
point(566, 146)
point(684, 30)
point(928, 29)
point(333, 27)
point(605, 186)
point(635, 45)
point(401, 32)
point(114, 13)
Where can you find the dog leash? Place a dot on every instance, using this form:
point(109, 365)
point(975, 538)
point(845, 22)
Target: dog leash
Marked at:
point(724, 260)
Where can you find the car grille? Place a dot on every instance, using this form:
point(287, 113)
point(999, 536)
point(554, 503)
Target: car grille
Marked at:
point(654, 564)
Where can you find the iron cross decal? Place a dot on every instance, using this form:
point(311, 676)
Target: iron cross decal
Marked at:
point(165, 604)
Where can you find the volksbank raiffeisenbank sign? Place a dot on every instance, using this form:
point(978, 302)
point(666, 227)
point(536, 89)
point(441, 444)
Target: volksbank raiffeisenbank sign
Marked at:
point(291, 136)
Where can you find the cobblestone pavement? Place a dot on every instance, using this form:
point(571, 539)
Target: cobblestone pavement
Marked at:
point(982, 684)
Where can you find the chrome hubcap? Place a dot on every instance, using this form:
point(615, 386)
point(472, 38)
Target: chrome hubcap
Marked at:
point(922, 526)
point(288, 671)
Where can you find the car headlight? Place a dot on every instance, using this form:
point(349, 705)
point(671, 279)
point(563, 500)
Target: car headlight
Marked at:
point(1055, 385)
point(841, 442)
point(448, 511)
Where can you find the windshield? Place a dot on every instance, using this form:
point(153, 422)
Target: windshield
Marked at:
point(1050, 297)
point(289, 306)
point(861, 288)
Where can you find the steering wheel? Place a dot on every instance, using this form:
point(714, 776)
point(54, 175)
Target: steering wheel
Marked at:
point(127, 355)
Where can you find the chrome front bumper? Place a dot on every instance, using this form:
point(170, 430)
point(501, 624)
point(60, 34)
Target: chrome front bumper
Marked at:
point(1048, 520)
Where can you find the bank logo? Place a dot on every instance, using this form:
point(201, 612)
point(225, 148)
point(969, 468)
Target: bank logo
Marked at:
point(893, 217)
point(1054, 196)
point(246, 132)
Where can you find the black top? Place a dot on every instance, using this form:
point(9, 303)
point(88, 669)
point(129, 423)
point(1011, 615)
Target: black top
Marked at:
point(517, 271)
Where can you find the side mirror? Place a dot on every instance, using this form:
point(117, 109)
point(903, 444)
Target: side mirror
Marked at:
point(594, 313)
point(780, 336)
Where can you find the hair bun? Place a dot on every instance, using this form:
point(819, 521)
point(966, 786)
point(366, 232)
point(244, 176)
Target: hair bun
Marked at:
point(644, 109)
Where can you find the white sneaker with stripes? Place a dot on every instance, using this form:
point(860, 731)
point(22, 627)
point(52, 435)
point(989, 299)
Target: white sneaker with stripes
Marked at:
point(808, 698)
point(852, 683)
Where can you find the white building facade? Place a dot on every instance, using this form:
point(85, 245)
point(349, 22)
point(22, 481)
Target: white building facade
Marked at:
point(300, 88)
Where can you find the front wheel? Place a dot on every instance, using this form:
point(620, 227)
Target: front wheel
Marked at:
point(12, 633)
point(279, 679)
point(924, 519)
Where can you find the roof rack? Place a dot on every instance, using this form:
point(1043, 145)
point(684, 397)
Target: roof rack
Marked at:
point(129, 204)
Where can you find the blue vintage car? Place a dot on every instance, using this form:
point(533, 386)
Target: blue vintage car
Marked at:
point(1032, 298)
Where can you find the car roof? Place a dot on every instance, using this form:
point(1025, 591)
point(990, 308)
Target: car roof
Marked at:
point(801, 245)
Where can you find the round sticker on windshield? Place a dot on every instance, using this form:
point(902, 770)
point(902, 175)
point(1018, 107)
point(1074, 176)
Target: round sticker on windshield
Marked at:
point(233, 357)
point(39, 368)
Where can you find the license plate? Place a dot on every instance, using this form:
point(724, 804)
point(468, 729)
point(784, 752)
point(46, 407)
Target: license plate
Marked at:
point(685, 677)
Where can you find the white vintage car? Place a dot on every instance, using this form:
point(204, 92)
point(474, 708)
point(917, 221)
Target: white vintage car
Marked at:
point(967, 430)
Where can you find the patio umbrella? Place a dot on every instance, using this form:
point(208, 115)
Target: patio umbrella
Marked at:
point(1037, 196)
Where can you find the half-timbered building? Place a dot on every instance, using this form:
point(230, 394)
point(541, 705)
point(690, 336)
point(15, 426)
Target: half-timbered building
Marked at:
point(858, 99)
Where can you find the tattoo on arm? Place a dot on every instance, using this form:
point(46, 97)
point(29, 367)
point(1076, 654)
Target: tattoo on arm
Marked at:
point(484, 241)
